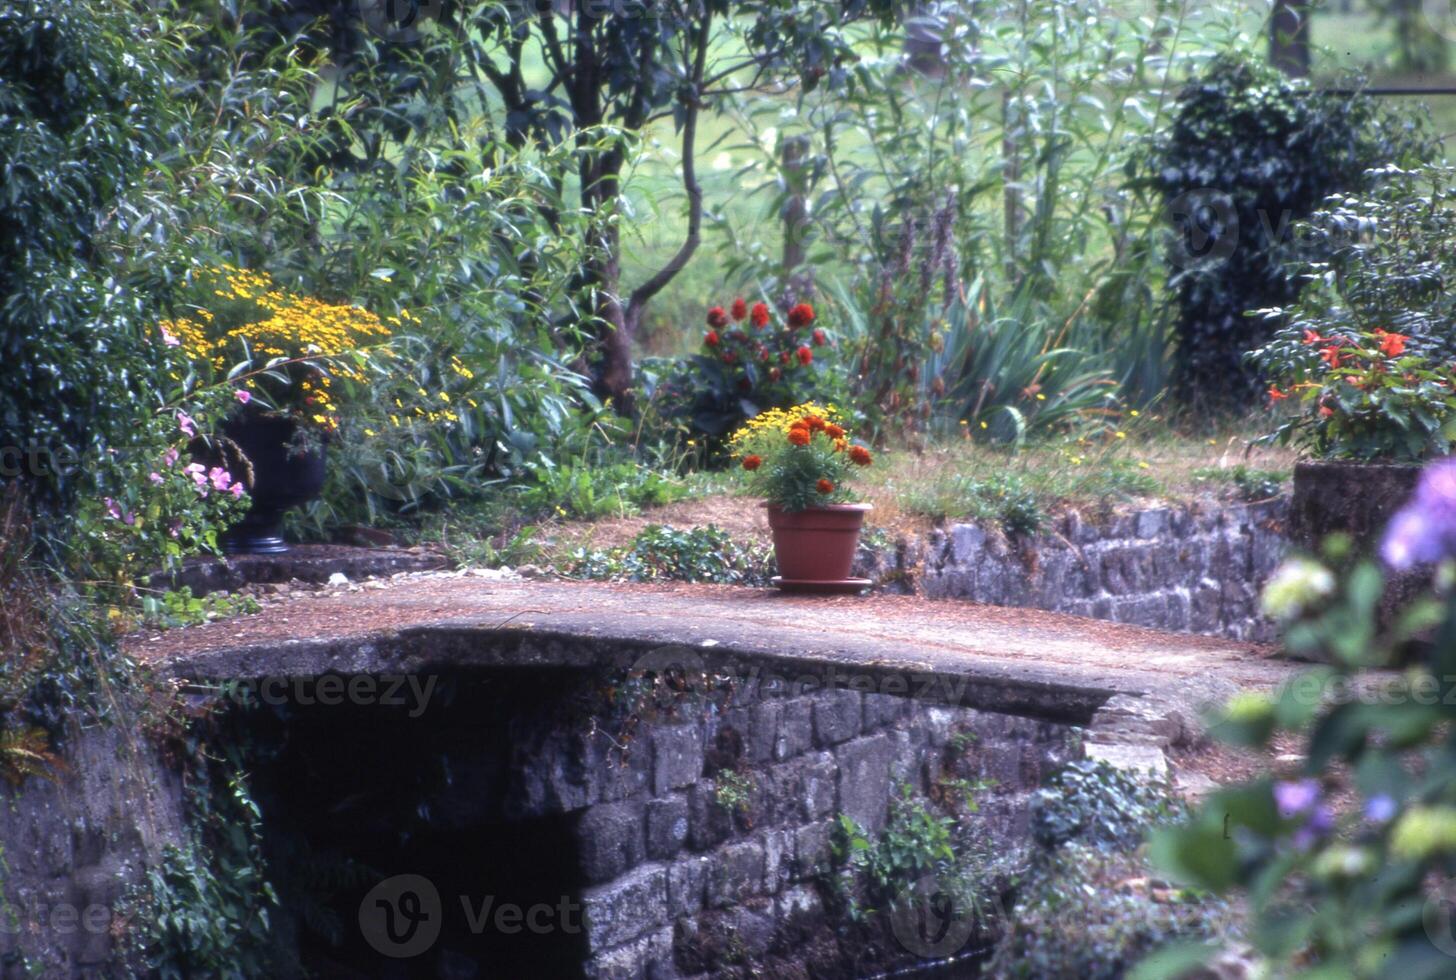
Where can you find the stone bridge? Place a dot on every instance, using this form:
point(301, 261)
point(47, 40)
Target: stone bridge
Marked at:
point(650, 774)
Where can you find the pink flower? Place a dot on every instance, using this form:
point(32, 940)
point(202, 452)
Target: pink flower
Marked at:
point(111, 510)
point(198, 472)
point(170, 456)
point(236, 490)
point(185, 423)
point(155, 477)
point(170, 339)
point(243, 396)
point(221, 478)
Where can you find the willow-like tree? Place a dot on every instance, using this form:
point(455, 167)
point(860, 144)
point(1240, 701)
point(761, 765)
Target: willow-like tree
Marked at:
point(595, 72)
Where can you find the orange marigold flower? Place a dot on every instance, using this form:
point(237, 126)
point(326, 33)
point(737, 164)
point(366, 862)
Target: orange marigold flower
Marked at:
point(805, 355)
point(739, 309)
point(825, 486)
point(860, 456)
point(717, 319)
point(801, 315)
point(759, 315)
point(840, 444)
point(751, 463)
point(798, 436)
point(814, 423)
point(833, 431)
point(1391, 344)
point(1275, 395)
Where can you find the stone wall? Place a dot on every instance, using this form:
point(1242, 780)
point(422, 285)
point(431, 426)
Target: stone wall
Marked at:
point(1196, 568)
point(681, 884)
point(73, 847)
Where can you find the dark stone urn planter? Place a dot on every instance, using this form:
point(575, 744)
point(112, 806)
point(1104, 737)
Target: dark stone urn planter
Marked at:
point(283, 476)
point(1358, 499)
point(815, 547)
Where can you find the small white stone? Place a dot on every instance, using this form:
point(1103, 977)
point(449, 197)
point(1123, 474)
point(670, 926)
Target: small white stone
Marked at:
point(338, 578)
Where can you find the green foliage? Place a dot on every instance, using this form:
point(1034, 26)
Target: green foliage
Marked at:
point(733, 791)
point(579, 489)
point(1100, 806)
point(745, 366)
point(870, 875)
point(1249, 152)
point(205, 910)
point(664, 553)
point(179, 607)
point(1251, 482)
point(973, 219)
point(78, 107)
point(1364, 352)
point(1091, 913)
point(1313, 870)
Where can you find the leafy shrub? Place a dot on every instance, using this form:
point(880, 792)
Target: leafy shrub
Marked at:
point(1248, 152)
point(1092, 913)
point(579, 489)
point(665, 553)
point(1098, 805)
point(1364, 353)
point(79, 121)
point(1357, 890)
point(1250, 482)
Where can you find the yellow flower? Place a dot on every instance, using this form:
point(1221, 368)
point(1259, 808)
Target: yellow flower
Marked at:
point(1040, 397)
point(1120, 434)
point(1134, 413)
point(370, 432)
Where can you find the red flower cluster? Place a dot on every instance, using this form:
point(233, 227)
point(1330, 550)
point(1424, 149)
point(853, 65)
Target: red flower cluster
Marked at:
point(763, 356)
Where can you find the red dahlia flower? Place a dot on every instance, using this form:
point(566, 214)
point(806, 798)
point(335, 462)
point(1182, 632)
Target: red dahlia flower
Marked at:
point(801, 315)
point(819, 338)
point(717, 318)
point(739, 309)
point(759, 315)
point(805, 355)
point(711, 338)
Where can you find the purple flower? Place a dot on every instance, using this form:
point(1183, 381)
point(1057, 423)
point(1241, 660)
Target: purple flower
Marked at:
point(1424, 530)
point(111, 509)
point(243, 396)
point(1292, 799)
point(221, 478)
point(170, 456)
point(155, 477)
point(185, 423)
point(236, 490)
point(1380, 808)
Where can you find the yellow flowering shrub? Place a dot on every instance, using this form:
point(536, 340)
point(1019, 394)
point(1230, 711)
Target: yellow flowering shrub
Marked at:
point(799, 457)
point(283, 348)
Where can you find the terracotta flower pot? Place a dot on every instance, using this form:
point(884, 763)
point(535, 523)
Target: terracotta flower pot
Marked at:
point(815, 547)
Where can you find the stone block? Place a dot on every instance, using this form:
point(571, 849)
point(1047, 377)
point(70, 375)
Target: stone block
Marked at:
point(864, 780)
point(811, 849)
point(667, 826)
point(609, 840)
point(648, 957)
point(622, 910)
point(881, 710)
point(687, 885)
point(709, 823)
point(677, 758)
point(836, 717)
point(736, 873)
point(795, 734)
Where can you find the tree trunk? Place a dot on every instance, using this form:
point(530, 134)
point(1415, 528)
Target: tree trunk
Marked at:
point(1289, 37)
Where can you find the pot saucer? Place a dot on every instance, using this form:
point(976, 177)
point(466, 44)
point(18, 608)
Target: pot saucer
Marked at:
point(842, 586)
